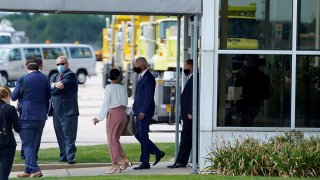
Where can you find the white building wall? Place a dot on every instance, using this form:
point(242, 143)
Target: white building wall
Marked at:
point(206, 81)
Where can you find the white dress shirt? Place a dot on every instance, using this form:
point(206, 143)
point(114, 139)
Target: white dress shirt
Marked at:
point(141, 75)
point(115, 95)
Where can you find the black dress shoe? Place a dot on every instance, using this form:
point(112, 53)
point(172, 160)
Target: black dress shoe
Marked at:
point(63, 160)
point(142, 166)
point(176, 165)
point(71, 161)
point(159, 157)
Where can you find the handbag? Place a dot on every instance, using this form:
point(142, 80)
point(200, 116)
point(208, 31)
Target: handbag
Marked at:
point(4, 133)
point(129, 129)
point(50, 108)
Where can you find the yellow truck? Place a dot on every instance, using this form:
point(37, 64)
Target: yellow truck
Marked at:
point(165, 40)
point(127, 37)
point(157, 42)
point(119, 43)
point(242, 31)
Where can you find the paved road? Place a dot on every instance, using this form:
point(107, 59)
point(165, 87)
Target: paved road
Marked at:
point(90, 99)
point(71, 170)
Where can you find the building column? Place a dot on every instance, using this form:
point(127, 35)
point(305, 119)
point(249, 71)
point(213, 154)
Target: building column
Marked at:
point(206, 82)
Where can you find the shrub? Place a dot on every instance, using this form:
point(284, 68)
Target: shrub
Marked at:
point(289, 155)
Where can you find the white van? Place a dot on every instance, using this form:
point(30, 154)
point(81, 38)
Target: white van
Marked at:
point(81, 58)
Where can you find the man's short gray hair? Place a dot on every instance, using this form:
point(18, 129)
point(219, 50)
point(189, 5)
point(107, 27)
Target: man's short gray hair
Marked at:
point(144, 61)
point(63, 58)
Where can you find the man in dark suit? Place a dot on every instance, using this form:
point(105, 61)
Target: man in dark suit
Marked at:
point(64, 102)
point(186, 116)
point(143, 109)
point(256, 87)
point(33, 92)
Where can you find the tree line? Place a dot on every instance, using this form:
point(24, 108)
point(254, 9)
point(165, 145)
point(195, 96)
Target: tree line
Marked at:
point(59, 28)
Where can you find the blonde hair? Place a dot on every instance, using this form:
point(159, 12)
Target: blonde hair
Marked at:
point(4, 92)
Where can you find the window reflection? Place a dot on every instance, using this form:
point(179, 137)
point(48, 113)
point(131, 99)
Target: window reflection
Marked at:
point(256, 90)
point(247, 26)
point(308, 91)
point(308, 25)
point(255, 24)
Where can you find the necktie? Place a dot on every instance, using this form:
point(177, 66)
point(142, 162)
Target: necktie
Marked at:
point(59, 77)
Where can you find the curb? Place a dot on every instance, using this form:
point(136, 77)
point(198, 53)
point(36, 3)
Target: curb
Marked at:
point(20, 167)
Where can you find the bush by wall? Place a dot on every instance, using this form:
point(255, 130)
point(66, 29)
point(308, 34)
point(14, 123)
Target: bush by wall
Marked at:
point(289, 155)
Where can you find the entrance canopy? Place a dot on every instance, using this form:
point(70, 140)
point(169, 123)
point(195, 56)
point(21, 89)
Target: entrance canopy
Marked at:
point(132, 7)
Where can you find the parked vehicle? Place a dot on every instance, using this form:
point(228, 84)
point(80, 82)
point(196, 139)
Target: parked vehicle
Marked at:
point(8, 35)
point(12, 59)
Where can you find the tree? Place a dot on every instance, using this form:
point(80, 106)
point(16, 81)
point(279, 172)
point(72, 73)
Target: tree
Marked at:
point(59, 28)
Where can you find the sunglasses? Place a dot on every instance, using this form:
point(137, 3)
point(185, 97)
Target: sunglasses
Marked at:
point(62, 64)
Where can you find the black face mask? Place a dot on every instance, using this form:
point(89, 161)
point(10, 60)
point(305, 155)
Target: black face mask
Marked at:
point(137, 70)
point(186, 71)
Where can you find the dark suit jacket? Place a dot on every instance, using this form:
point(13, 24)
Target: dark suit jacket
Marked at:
point(35, 96)
point(12, 121)
point(144, 97)
point(65, 101)
point(186, 100)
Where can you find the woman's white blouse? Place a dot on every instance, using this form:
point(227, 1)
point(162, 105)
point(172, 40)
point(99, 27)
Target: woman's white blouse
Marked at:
point(115, 95)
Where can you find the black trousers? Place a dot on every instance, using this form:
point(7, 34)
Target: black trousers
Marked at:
point(185, 143)
point(6, 161)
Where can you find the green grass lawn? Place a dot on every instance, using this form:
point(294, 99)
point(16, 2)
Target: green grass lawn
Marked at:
point(168, 177)
point(97, 154)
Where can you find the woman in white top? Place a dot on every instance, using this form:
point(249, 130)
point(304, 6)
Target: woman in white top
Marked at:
point(114, 107)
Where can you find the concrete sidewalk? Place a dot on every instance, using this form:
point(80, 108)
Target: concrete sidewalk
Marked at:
point(70, 170)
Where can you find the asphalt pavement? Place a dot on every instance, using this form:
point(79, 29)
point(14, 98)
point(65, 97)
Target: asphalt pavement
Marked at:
point(159, 169)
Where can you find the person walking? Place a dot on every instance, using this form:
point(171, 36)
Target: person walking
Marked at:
point(64, 103)
point(8, 114)
point(143, 109)
point(40, 64)
point(114, 107)
point(33, 92)
point(186, 116)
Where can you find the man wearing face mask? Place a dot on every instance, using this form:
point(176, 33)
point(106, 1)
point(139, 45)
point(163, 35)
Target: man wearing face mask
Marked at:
point(186, 116)
point(64, 103)
point(143, 109)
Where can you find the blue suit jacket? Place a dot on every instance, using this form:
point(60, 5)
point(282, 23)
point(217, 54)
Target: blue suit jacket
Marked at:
point(65, 101)
point(35, 96)
point(144, 97)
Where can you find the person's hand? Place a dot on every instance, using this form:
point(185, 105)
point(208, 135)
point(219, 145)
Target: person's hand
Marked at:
point(189, 116)
point(59, 85)
point(95, 121)
point(141, 116)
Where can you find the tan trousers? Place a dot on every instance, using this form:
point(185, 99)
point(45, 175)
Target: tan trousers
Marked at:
point(116, 122)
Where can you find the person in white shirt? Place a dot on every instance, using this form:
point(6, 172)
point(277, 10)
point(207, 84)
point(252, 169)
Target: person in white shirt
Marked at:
point(114, 108)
